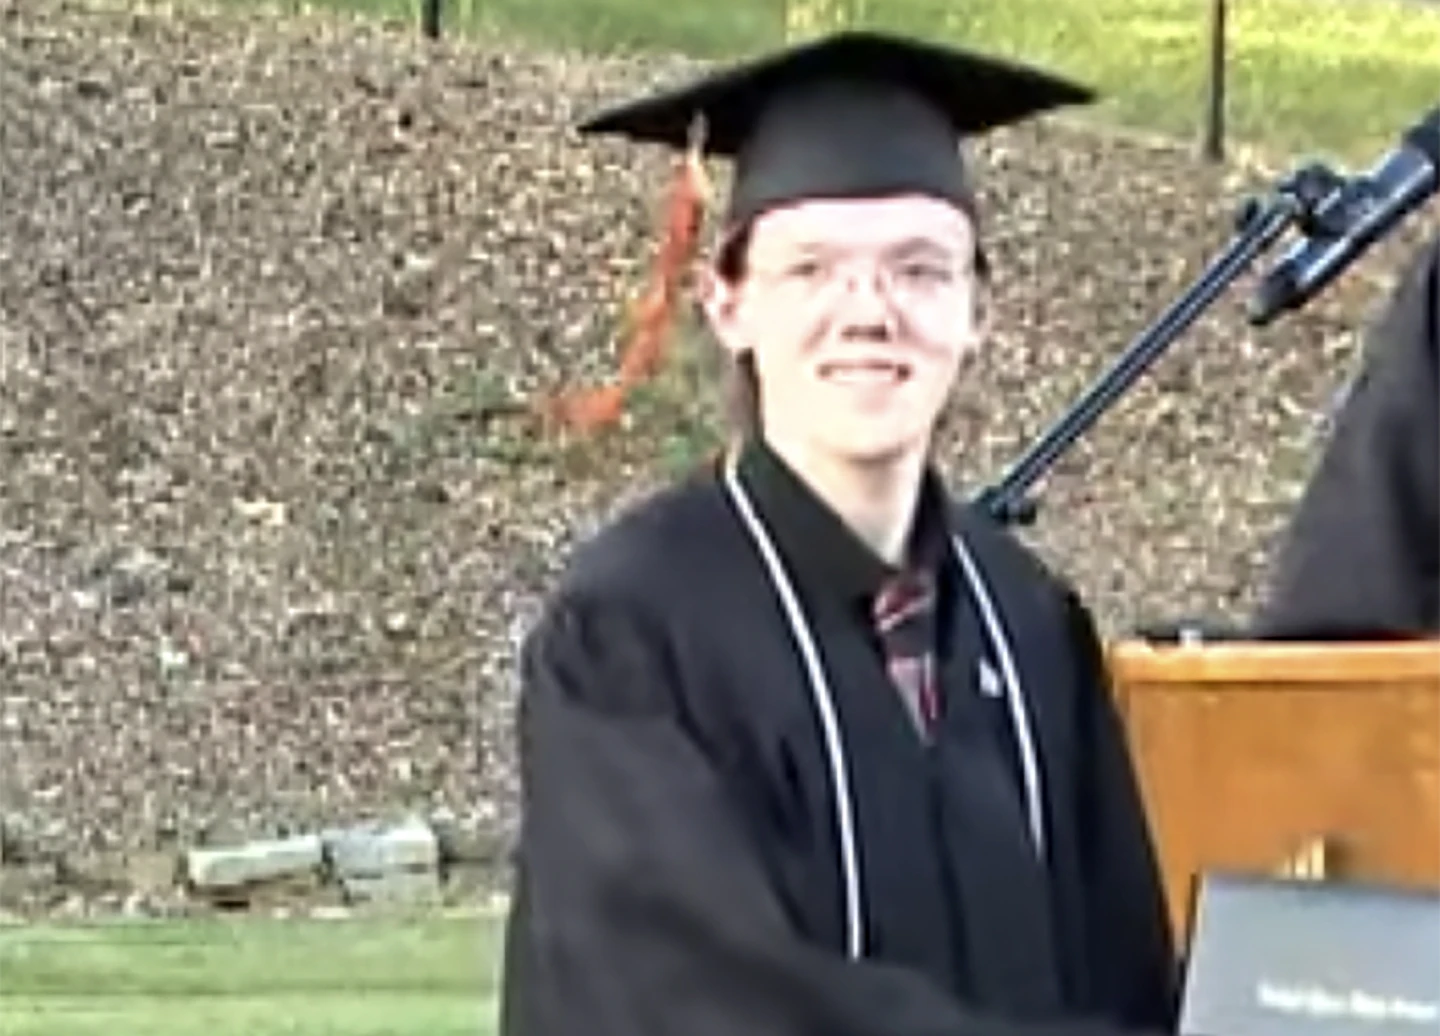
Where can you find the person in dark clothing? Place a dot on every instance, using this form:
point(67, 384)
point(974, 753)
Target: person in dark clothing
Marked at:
point(1360, 559)
point(806, 747)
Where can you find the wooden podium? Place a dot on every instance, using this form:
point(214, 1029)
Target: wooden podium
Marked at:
point(1309, 759)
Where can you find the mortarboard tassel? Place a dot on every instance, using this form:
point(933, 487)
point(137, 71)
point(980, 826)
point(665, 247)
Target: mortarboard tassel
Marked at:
point(652, 317)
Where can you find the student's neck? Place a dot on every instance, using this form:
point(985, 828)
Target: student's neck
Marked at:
point(877, 501)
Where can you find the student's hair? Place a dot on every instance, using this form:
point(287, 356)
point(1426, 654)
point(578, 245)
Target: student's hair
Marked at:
point(742, 382)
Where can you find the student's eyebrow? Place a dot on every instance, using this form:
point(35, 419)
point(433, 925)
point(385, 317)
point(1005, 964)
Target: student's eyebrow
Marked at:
point(906, 246)
point(924, 245)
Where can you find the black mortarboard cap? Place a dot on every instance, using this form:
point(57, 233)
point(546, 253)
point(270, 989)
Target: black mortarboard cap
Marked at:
point(854, 114)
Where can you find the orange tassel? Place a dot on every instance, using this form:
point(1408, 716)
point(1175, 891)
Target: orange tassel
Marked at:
point(652, 316)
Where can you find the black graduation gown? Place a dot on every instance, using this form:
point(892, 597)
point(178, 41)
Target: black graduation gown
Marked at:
point(677, 870)
point(1361, 556)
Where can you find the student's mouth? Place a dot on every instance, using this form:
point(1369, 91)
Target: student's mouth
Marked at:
point(864, 372)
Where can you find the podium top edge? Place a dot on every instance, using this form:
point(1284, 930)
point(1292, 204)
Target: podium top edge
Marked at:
point(1276, 662)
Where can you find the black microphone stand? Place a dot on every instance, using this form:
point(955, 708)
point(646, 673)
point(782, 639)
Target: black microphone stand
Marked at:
point(1259, 225)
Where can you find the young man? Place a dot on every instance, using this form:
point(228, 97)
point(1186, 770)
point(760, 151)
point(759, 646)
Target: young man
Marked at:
point(1361, 559)
point(806, 749)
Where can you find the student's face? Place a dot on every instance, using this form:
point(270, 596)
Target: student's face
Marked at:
point(858, 314)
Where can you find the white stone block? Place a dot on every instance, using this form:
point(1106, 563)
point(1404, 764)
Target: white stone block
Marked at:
point(376, 850)
point(254, 862)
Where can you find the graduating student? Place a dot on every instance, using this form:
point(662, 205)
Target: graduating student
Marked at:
point(807, 749)
point(1361, 558)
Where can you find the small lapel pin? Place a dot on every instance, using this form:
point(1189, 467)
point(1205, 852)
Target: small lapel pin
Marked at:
point(989, 680)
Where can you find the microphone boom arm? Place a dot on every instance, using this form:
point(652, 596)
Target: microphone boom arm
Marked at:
point(1338, 217)
point(1260, 224)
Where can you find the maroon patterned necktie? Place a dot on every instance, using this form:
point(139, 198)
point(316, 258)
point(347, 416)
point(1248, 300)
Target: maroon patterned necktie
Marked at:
point(904, 615)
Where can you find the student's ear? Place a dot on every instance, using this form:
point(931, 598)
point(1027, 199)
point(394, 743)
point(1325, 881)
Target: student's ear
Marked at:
point(720, 302)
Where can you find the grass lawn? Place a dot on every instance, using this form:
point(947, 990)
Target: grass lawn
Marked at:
point(397, 977)
point(1335, 77)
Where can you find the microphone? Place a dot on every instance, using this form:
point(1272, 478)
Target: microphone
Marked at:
point(1350, 219)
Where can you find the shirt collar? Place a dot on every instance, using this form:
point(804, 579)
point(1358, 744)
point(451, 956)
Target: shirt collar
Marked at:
point(828, 561)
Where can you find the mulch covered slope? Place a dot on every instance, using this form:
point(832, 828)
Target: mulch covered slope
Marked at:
point(268, 528)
